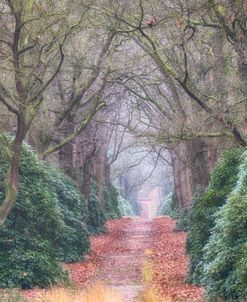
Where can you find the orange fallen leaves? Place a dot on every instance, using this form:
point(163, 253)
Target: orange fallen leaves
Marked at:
point(81, 272)
point(170, 262)
point(166, 255)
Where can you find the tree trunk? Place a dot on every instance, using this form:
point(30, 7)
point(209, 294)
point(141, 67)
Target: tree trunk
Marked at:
point(198, 164)
point(101, 174)
point(181, 174)
point(190, 169)
point(66, 158)
point(86, 178)
point(11, 181)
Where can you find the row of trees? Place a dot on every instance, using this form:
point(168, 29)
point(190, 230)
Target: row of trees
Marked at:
point(61, 62)
point(191, 89)
point(47, 77)
point(77, 77)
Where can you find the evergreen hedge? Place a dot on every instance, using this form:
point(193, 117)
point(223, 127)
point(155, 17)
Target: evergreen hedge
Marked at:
point(112, 202)
point(183, 219)
point(225, 255)
point(75, 242)
point(169, 206)
point(125, 207)
point(31, 234)
point(45, 226)
point(96, 217)
point(202, 218)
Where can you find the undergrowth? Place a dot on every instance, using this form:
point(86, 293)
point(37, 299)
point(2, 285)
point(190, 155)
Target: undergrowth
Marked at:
point(202, 219)
point(96, 216)
point(75, 242)
point(32, 232)
point(183, 219)
point(225, 254)
point(125, 207)
point(112, 202)
point(46, 224)
point(169, 206)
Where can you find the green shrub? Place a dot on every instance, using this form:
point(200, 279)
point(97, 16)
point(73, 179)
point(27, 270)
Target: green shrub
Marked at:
point(225, 264)
point(30, 237)
point(125, 207)
point(202, 219)
point(169, 206)
point(135, 206)
point(183, 219)
point(96, 217)
point(75, 238)
point(112, 202)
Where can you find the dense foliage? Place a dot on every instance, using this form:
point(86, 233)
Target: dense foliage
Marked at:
point(183, 219)
point(31, 235)
point(169, 206)
point(135, 206)
point(225, 260)
point(96, 217)
point(125, 207)
point(112, 202)
point(45, 226)
point(75, 241)
point(202, 218)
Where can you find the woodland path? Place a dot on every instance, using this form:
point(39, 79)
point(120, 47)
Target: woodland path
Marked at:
point(132, 250)
point(123, 269)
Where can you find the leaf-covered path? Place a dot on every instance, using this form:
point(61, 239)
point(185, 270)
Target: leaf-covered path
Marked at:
point(170, 262)
point(122, 269)
point(134, 250)
point(117, 258)
point(136, 253)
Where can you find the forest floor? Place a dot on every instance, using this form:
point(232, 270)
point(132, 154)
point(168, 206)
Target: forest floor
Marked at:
point(136, 254)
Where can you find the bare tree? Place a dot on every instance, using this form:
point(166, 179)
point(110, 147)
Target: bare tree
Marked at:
point(32, 39)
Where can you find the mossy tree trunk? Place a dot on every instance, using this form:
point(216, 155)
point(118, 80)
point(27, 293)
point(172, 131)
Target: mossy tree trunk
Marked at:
point(11, 181)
